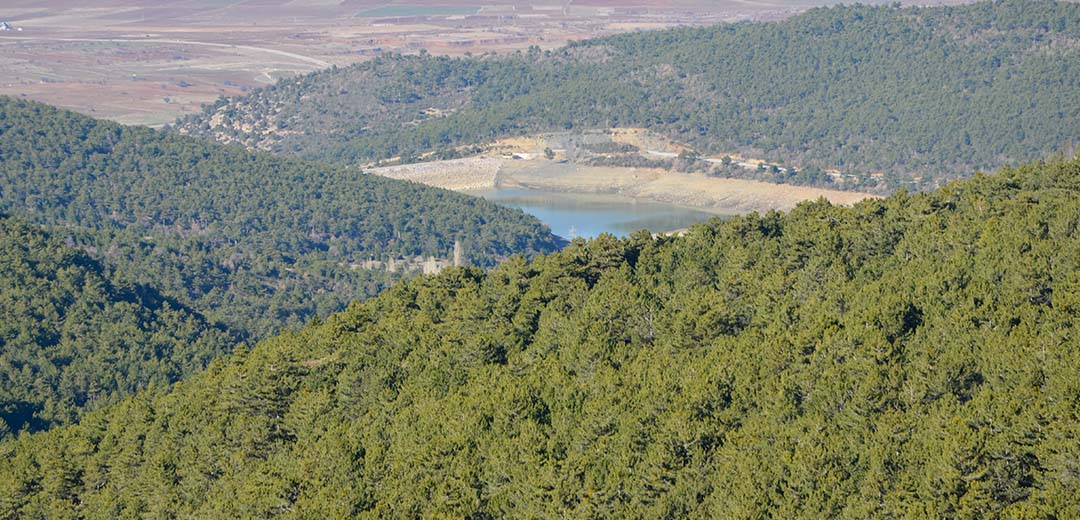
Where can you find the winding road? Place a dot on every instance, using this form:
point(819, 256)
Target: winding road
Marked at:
point(292, 55)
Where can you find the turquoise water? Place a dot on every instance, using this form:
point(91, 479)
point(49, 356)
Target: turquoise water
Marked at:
point(572, 215)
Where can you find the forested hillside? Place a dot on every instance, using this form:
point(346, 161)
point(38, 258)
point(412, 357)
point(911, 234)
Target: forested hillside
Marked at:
point(911, 357)
point(75, 336)
point(916, 93)
point(255, 241)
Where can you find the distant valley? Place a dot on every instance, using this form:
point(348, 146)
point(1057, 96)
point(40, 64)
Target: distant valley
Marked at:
point(143, 62)
point(692, 259)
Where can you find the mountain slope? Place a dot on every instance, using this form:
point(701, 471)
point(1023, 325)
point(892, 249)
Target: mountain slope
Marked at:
point(914, 356)
point(73, 336)
point(256, 241)
point(916, 93)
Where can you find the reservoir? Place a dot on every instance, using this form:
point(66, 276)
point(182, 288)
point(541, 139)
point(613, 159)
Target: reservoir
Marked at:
point(572, 215)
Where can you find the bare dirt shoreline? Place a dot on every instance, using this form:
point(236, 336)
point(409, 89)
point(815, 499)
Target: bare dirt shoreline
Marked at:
point(470, 174)
point(713, 194)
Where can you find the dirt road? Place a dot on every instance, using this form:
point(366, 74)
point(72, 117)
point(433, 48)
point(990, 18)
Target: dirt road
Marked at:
point(298, 57)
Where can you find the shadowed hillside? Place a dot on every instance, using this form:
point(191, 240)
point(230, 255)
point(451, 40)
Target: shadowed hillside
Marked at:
point(255, 241)
point(75, 335)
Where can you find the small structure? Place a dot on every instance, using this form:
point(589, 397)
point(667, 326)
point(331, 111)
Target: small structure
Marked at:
point(459, 254)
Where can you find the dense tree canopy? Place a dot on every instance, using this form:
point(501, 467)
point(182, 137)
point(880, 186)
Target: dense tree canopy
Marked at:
point(255, 241)
point(74, 335)
point(911, 357)
point(919, 94)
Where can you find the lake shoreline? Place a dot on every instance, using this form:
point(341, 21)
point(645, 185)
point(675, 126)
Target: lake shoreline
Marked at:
point(717, 195)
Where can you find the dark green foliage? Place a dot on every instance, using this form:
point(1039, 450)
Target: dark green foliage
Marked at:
point(74, 336)
point(911, 357)
point(917, 93)
point(255, 241)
